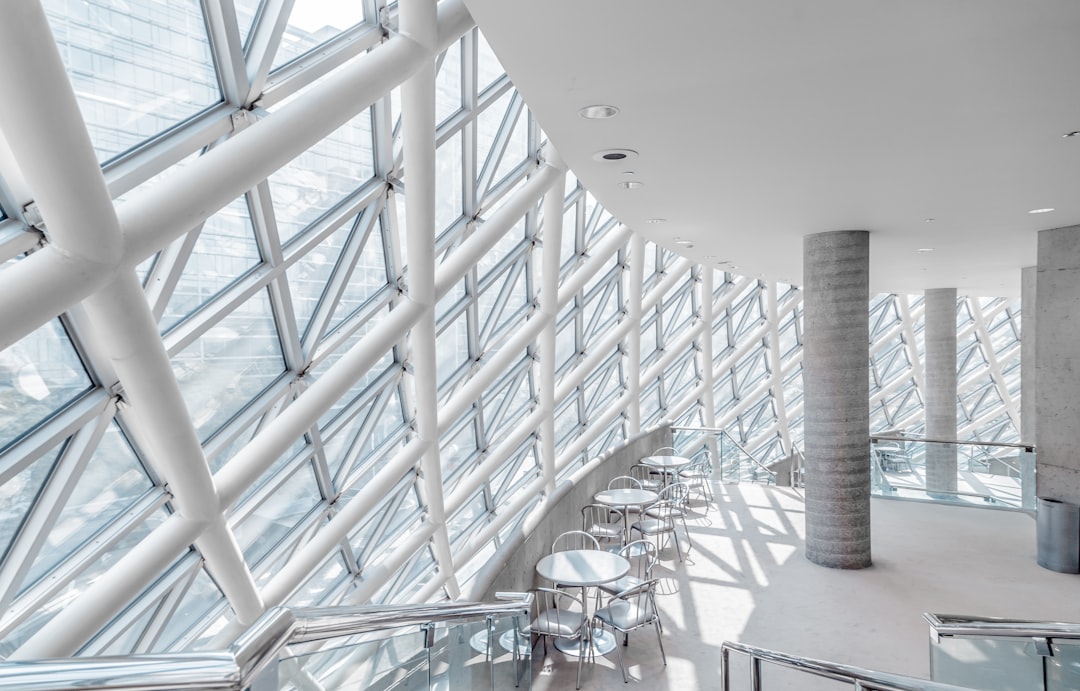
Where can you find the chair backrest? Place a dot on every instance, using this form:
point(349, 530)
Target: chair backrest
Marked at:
point(677, 493)
point(593, 515)
point(642, 556)
point(641, 473)
point(624, 482)
point(641, 596)
point(665, 451)
point(556, 612)
point(574, 539)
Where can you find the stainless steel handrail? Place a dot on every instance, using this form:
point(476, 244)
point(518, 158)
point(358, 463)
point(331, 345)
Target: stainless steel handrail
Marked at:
point(859, 677)
point(1030, 448)
point(234, 669)
point(961, 625)
point(715, 430)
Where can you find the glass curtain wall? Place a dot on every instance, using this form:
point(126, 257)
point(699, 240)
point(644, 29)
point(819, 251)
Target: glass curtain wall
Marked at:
point(299, 284)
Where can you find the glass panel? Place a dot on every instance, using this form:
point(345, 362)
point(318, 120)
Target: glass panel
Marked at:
point(112, 480)
point(314, 22)
point(309, 275)
point(488, 67)
point(448, 84)
point(396, 660)
point(138, 67)
point(459, 658)
point(38, 375)
point(367, 279)
point(974, 474)
point(17, 495)
point(229, 364)
point(261, 528)
point(448, 183)
point(245, 16)
point(225, 251)
point(199, 600)
point(452, 348)
point(313, 182)
point(992, 664)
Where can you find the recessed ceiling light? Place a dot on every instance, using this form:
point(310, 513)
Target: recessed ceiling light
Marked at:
point(930, 220)
point(684, 243)
point(615, 155)
point(924, 250)
point(1071, 134)
point(657, 220)
point(1041, 211)
point(631, 184)
point(598, 112)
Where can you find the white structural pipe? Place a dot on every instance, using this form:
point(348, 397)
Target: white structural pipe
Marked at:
point(484, 237)
point(126, 329)
point(633, 340)
point(44, 284)
point(599, 423)
point(48, 140)
point(73, 625)
point(599, 255)
point(307, 558)
point(418, 21)
point(708, 379)
point(776, 366)
point(554, 206)
point(273, 440)
point(469, 485)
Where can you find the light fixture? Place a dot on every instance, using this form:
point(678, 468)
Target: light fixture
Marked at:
point(1041, 211)
point(929, 220)
point(684, 243)
point(598, 112)
point(631, 184)
point(657, 220)
point(615, 155)
point(924, 250)
point(1071, 134)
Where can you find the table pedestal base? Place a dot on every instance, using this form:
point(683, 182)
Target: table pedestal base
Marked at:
point(602, 642)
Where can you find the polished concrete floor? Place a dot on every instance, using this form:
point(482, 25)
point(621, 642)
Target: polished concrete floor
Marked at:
point(746, 580)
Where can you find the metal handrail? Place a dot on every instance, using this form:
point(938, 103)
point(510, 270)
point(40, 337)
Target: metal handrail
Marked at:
point(252, 653)
point(1030, 448)
point(961, 625)
point(739, 446)
point(859, 677)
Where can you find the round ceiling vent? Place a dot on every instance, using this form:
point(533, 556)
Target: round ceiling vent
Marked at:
point(615, 155)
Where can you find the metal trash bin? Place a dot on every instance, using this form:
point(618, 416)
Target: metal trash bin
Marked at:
point(1058, 534)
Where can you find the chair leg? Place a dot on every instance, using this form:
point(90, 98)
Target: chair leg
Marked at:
point(581, 656)
point(622, 665)
point(660, 640)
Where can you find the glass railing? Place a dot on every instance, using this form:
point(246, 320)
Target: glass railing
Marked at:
point(733, 462)
point(1004, 655)
point(792, 671)
point(434, 646)
point(989, 474)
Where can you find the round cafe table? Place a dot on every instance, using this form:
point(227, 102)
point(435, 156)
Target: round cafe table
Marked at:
point(668, 465)
point(584, 568)
point(624, 499)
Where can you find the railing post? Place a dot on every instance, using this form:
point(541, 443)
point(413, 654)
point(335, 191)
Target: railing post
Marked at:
point(725, 667)
point(755, 673)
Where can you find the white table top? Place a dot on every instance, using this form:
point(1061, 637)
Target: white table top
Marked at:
point(625, 497)
point(667, 462)
point(582, 567)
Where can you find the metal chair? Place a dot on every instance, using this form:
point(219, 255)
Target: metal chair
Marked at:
point(559, 614)
point(574, 539)
point(657, 520)
point(699, 475)
point(672, 503)
point(596, 520)
point(642, 556)
point(632, 609)
point(623, 482)
point(649, 478)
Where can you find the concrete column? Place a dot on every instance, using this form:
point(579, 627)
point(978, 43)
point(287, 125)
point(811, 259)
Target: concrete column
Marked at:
point(836, 393)
point(1057, 364)
point(1028, 332)
point(939, 394)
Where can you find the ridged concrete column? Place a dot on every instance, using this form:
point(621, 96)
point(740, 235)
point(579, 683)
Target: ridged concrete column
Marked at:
point(1028, 337)
point(836, 394)
point(940, 390)
point(1057, 364)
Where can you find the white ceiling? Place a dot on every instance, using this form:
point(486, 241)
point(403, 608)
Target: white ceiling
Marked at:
point(760, 121)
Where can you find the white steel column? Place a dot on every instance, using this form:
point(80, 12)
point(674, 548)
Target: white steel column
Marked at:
point(708, 377)
point(633, 339)
point(775, 364)
point(44, 129)
point(418, 21)
point(554, 204)
point(44, 284)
